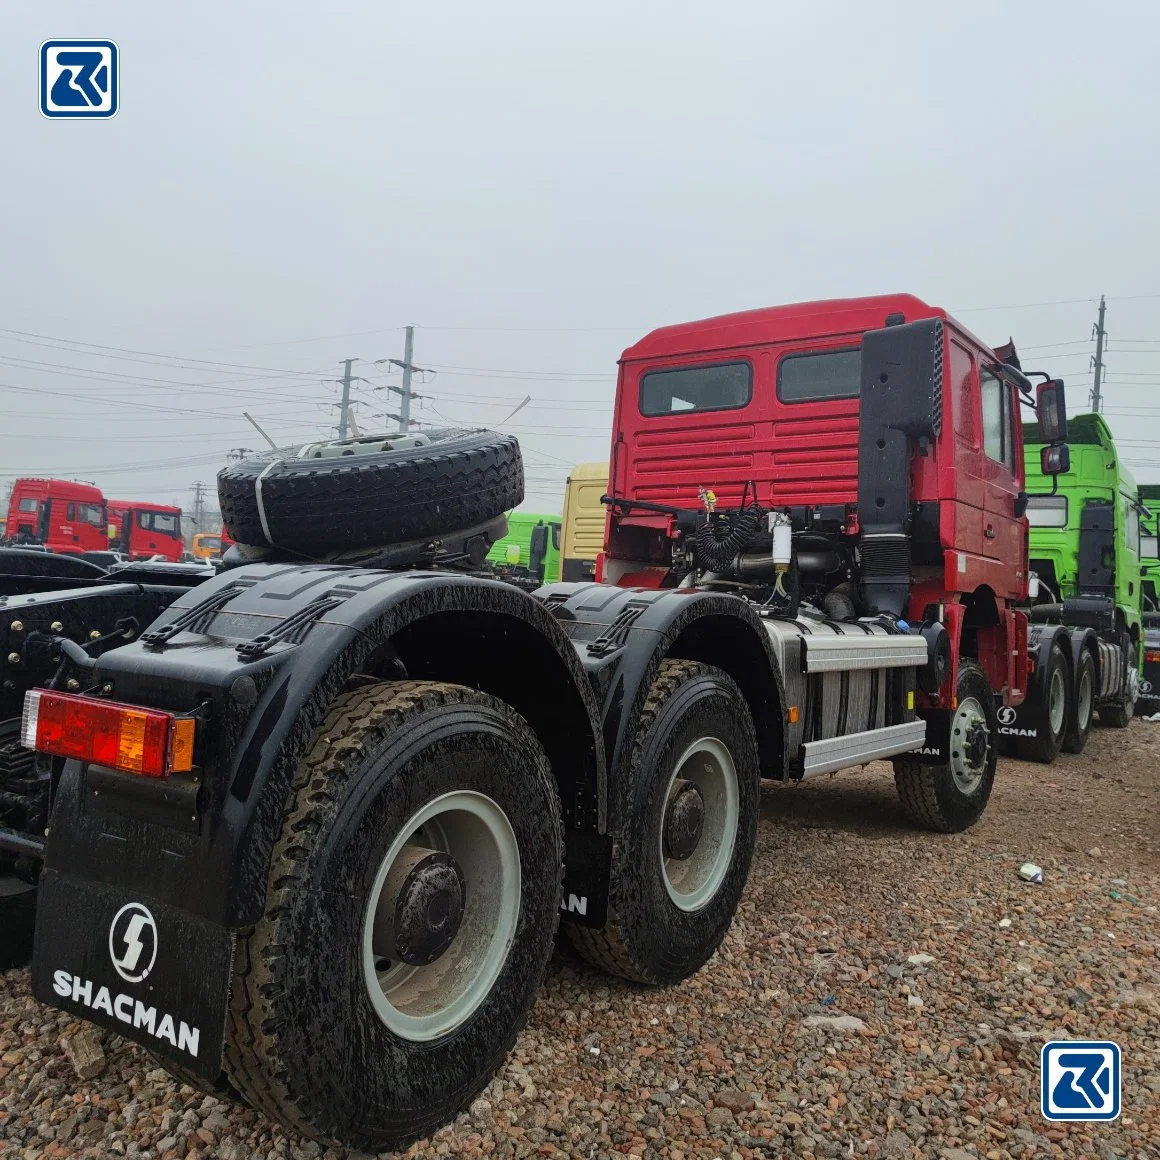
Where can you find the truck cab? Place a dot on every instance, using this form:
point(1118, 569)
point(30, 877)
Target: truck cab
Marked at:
point(1086, 595)
point(584, 519)
point(60, 514)
point(925, 485)
point(144, 530)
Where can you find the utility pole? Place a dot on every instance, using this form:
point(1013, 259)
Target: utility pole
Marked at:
point(1098, 362)
point(198, 504)
point(405, 403)
point(408, 367)
point(344, 409)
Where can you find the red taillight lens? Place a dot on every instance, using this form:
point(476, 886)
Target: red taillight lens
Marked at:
point(599, 572)
point(1151, 655)
point(148, 742)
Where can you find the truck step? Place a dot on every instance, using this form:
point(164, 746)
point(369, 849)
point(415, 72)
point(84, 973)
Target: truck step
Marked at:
point(855, 748)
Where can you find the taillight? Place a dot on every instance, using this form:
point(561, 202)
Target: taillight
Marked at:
point(148, 742)
point(598, 575)
point(1151, 655)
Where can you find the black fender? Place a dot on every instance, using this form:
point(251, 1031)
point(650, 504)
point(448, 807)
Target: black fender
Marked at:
point(261, 652)
point(623, 634)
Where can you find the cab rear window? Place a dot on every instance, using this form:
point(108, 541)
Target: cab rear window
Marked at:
point(829, 374)
point(684, 390)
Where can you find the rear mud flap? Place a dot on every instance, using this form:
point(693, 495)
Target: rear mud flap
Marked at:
point(150, 972)
point(1024, 721)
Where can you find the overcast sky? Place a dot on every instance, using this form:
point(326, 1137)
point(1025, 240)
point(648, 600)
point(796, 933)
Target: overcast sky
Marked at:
point(534, 186)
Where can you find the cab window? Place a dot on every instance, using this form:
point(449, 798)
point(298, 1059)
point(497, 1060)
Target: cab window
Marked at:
point(684, 390)
point(91, 513)
point(1149, 546)
point(1132, 526)
point(70, 512)
point(831, 374)
point(991, 397)
point(28, 504)
point(998, 414)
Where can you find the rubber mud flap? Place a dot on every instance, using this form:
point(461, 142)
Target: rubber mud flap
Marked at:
point(150, 972)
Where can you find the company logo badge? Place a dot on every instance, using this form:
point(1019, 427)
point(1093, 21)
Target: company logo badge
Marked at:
point(1145, 686)
point(1080, 1080)
point(78, 79)
point(1006, 715)
point(133, 942)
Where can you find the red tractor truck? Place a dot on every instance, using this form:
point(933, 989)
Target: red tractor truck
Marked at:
point(314, 826)
point(59, 514)
point(144, 530)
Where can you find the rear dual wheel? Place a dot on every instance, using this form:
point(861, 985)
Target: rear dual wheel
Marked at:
point(686, 831)
point(1057, 711)
point(412, 905)
point(1079, 724)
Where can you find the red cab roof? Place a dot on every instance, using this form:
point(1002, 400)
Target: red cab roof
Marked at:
point(796, 320)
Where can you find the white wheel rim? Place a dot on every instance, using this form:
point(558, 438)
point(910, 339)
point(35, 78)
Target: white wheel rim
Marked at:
point(1057, 701)
point(692, 882)
point(1083, 709)
point(420, 1003)
point(967, 774)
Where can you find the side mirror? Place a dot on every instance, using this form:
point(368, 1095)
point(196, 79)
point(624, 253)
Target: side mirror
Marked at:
point(1055, 459)
point(1051, 412)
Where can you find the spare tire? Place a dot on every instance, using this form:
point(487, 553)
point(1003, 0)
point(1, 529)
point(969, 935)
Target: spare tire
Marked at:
point(337, 497)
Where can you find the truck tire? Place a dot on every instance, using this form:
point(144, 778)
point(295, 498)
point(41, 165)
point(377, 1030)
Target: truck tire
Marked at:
point(17, 921)
point(1082, 711)
point(1057, 704)
point(1118, 714)
point(316, 506)
point(952, 796)
point(675, 884)
point(411, 909)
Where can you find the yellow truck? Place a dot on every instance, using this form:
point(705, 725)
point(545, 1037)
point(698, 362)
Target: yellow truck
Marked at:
point(207, 546)
point(583, 532)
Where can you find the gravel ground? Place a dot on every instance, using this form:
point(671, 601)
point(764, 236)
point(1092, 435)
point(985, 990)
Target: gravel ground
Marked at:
point(883, 993)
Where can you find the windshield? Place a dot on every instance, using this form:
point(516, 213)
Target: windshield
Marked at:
point(167, 523)
point(1047, 511)
point(211, 541)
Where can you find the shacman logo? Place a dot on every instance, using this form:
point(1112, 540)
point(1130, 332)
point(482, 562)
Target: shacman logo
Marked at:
point(133, 942)
point(79, 79)
point(1006, 715)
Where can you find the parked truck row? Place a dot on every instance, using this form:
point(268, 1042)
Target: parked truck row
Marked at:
point(75, 519)
point(314, 821)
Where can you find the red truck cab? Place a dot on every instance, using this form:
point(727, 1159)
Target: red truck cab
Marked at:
point(764, 407)
point(144, 530)
point(63, 515)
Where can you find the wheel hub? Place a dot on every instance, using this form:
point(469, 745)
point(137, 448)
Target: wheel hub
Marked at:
point(684, 821)
point(430, 893)
point(976, 744)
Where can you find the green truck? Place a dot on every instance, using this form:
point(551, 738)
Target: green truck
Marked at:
point(1148, 703)
point(1084, 595)
point(529, 555)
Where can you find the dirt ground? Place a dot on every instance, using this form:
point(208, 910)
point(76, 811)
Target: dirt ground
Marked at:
point(949, 969)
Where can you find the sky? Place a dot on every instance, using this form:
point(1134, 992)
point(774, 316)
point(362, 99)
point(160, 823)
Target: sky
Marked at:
point(533, 187)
